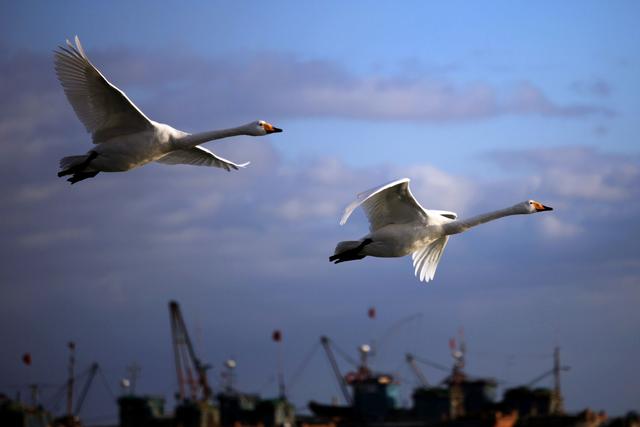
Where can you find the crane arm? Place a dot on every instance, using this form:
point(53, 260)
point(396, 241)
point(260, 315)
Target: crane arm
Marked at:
point(334, 365)
point(411, 360)
point(430, 363)
point(93, 370)
point(545, 375)
point(185, 356)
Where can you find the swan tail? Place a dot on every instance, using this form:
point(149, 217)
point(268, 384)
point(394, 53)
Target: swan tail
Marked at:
point(76, 166)
point(349, 250)
point(71, 163)
point(82, 176)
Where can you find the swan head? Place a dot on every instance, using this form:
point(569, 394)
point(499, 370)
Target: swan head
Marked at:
point(260, 127)
point(531, 206)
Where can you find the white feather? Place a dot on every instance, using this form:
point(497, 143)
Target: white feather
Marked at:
point(199, 156)
point(101, 107)
point(425, 260)
point(387, 204)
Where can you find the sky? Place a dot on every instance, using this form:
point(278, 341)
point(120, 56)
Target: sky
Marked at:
point(481, 105)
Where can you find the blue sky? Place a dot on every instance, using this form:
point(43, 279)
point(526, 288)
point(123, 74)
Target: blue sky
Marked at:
point(482, 105)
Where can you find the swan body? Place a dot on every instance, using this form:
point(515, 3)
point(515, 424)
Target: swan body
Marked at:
point(124, 137)
point(400, 226)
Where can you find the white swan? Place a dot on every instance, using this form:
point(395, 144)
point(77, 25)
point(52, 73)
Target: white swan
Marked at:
point(399, 226)
point(124, 137)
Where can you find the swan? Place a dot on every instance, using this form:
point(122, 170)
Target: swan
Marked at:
point(124, 137)
point(399, 226)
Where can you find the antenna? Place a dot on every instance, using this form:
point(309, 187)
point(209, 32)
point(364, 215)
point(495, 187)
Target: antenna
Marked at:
point(277, 338)
point(70, 381)
point(133, 370)
point(365, 350)
point(371, 314)
point(559, 404)
point(456, 395)
point(228, 375)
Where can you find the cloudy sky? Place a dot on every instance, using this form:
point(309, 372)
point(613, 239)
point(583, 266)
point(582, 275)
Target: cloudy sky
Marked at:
point(481, 105)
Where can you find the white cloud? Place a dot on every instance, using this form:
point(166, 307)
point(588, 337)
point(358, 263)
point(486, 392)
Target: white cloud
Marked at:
point(287, 86)
point(206, 205)
point(597, 87)
point(37, 192)
point(576, 173)
point(557, 228)
point(298, 209)
point(53, 237)
point(585, 184)
point(436, 189)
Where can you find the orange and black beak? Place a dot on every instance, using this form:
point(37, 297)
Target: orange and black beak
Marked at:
point(271, 129)
point(540, 207)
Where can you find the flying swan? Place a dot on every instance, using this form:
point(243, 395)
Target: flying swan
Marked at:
point(399, 226)
point(124, 137)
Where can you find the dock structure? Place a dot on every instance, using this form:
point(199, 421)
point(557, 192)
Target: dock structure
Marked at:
point(371, 397)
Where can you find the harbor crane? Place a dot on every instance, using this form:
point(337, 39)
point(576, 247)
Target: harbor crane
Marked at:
point(326, 344)
point(93, 370)
point(72, 417)
point(191, 372)
point(558, 404)
point(411, 360)
point(555, 371)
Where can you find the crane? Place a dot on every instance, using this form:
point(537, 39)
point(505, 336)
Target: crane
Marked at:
point(93, 370)
point(411, 360)
point(72, 417)
point(555, 371)
point(190, 370)
point(326, 343)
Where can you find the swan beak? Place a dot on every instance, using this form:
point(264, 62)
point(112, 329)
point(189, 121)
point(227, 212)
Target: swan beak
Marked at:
point(545, 208)
point(269, 128)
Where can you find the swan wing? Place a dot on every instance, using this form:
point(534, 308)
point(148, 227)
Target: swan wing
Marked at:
point(447, 215)
point(198, 156)
point(391, 203)
point(425, 260)
point(104, 109)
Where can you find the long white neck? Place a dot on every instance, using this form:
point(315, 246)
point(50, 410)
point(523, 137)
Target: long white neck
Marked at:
point(194, 139)
point(459, 226)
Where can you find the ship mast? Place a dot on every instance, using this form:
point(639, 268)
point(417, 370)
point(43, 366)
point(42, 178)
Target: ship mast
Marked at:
point(456, 394)
point(277, 338)
point(557, 402)
point(70, 381)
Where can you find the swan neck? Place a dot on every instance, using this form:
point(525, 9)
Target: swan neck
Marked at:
point(459, 226)
point(194, 139)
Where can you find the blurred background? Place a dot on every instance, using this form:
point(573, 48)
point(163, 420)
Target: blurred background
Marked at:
point(482, 105)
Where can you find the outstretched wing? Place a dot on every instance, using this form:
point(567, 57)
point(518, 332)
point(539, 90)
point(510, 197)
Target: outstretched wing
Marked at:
point(103, 108)
point(198, 156)
point(448, 215)
point(425, 260)
point(391, 203)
